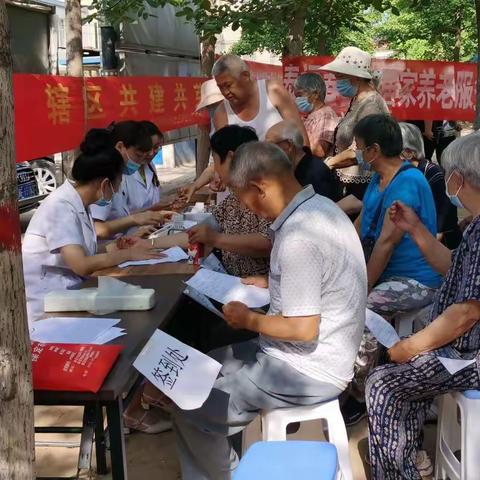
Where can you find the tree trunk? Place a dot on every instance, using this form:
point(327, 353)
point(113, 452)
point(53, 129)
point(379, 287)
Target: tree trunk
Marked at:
point(207, 59)
point(16, 398)
point(477, 118)
point(322, 46)
point(73, 35)
point(296, 31)
point(458, 36)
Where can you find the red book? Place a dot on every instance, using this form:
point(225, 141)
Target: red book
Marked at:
point(72, 367)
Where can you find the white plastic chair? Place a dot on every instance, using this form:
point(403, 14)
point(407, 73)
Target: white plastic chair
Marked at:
point(274, 427)
point(452, 437)
point(407, 323)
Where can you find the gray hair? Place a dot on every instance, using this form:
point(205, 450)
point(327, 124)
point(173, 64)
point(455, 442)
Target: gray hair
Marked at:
point(289, 130)
point(463, 155)
point(257, 160)
point(412, 139)
point(312, 83)
point(230, 63)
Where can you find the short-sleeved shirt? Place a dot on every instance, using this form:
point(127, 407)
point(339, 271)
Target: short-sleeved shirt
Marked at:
point(312, 170)
point(61, 220)
point(320, 126)
point(317, 267)
point(411, 188)
point(232, 218)
point(461, 284)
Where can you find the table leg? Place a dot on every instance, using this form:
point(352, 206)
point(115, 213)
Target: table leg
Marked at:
point(100, 449)
point(117, 440)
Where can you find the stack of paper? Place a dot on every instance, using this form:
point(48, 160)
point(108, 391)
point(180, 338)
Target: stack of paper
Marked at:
point(172, 255)
point(95, 331)
point(226, 288)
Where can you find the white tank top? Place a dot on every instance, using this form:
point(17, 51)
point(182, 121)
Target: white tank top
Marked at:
point(267, 115)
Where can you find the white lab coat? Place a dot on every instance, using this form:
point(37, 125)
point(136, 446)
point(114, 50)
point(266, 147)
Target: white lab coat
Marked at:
point(60, 220)
point(141, 195)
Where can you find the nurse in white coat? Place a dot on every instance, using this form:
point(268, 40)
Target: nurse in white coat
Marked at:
point(60, 245)
point(143, 187)
point(134, 143)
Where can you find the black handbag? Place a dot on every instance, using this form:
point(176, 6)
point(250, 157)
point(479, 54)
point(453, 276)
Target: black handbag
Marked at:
point(369, 240)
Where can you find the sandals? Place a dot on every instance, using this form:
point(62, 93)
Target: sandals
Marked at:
point(141, 424)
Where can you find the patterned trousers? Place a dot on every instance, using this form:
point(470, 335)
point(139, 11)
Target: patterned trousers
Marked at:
point(398, 400)
point(396, 295)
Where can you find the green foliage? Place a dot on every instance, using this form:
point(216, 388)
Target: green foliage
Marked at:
point(429, 29)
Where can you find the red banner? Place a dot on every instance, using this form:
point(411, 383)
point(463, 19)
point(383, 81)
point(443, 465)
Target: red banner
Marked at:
point(52, 113)
point(265, 70)
point(169, 102)
point(413, 90)
point(49, 114)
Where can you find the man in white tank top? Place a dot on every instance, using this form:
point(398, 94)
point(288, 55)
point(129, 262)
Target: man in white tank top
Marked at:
point(259, 104)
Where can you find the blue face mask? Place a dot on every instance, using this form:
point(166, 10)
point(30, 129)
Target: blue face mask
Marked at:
point(454, 198)
point(131, 167)
point(303, 104)
point(103, 202)
point(345, 88)
point(361, 161)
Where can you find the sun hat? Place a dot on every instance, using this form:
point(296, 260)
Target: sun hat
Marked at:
point(210, 94)
point(351, 61)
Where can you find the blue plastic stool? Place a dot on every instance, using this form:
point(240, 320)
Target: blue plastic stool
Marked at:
point(290, 460)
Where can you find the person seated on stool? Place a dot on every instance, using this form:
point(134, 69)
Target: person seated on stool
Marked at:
point(310, 336)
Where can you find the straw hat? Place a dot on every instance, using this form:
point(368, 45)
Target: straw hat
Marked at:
point(351, 61)
point(210, 94)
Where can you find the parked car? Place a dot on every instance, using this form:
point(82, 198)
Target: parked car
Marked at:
point(35, 181)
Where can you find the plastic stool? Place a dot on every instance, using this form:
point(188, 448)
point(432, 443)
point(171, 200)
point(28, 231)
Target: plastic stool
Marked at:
point(292, 460)
point(274, 427)
point(451, 437)
point(410, 322)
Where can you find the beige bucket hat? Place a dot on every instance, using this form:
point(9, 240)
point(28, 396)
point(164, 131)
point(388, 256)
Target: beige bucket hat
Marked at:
point(210, 94)
point(351, 61)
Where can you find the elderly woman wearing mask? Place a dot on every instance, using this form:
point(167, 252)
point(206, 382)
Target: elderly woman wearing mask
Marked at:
point(400, 394)
point(320, 120)
point(448, 231)
point(352, 70)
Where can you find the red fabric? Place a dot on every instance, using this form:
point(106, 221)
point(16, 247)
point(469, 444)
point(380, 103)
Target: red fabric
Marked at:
point(49, 114)
point(52, 116)
point(413, 90)
point(72, 367)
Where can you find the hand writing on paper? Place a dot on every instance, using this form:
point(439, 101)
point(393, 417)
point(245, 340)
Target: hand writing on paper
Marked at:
point(257, 281)
point(402, 351)
point(237, 315)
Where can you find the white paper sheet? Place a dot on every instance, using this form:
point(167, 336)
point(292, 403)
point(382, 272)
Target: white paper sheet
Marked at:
point(203, 300)
point(70, 329)
point(381, 329)
point(174, 254)
point(454, 365)
point(109, 335)
point(226, 288)
point(213, 263)
point(182, 373)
